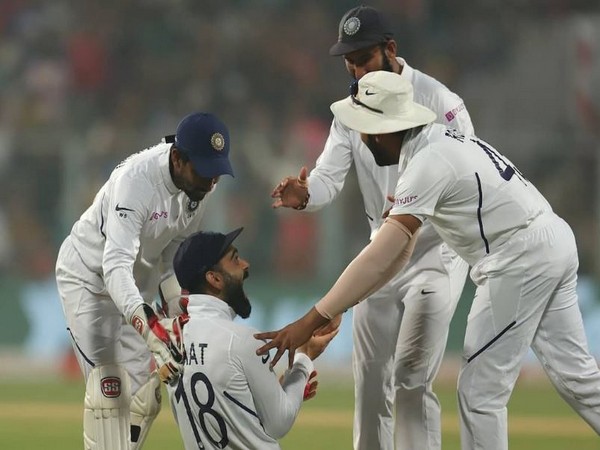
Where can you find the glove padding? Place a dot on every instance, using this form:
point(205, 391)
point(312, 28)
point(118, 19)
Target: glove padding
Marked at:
point(174, 326)
point(310, 390)
point(173, 300)
point(164, 342)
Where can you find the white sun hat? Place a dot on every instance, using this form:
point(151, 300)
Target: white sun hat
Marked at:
point(383, 104)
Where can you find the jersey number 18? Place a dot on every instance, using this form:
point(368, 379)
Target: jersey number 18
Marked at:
point(204, 409)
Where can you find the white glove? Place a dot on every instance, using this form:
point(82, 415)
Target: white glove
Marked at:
point(174, 327)
point(160, 342)
point(173, 300)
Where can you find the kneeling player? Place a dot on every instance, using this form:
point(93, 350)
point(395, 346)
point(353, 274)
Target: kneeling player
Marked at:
point(227, 397)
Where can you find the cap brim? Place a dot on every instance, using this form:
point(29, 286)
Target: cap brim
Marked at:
point(365, 121)
point(343, 48)
point(212, 167)
point(229, 238)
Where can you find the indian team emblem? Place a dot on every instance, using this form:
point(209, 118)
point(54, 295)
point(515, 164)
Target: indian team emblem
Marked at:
point(192, 206)
point(217, 141)
point(351, 26)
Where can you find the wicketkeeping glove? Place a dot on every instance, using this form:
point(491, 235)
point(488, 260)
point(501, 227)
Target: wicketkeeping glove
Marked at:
point(164, 343)
point(173, 300)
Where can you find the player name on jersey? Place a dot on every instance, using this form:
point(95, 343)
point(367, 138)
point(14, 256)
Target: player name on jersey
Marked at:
point(194, 354)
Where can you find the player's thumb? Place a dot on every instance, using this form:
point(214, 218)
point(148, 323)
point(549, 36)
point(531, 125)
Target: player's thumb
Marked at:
point(303, 175)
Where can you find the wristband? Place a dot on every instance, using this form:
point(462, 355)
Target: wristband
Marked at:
point(302, 205)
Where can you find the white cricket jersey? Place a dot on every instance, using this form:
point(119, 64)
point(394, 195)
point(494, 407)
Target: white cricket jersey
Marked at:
point(344, 146)
point(129, 235)
point(473, 195)
point(228, 397)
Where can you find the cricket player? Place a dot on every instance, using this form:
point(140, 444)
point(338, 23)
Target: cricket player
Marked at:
point(400, 334)
point(227, 397)
point(523, 257)
point(110, 266)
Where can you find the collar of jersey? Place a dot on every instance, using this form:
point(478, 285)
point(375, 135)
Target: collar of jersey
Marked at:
point(201, 305)
point(164, 171)
point(407, 71)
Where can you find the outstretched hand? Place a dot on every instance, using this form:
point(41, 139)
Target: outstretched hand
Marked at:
point(318, 343)
point(291, 337)
point(291, 192)
point(329, 327)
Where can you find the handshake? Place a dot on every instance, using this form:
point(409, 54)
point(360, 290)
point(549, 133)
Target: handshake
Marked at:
point(164, 338)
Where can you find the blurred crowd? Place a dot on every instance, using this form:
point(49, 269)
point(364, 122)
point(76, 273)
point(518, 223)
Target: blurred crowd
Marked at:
point(84, 84)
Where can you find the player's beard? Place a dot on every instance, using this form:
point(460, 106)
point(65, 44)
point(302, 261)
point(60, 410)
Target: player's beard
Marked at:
point(236, 297)
point(195, 196)
point(193, 193)
point(378, 152)
point(386, 64)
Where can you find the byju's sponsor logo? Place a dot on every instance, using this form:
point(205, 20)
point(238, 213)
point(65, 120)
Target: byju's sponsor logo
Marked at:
point(406, 200)
point(451, 115)
point(158, 215)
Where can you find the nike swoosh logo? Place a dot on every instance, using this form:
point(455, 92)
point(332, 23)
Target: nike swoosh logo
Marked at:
point(424, 292)
point(265, 358)
point(370, 93)
point(121, 208)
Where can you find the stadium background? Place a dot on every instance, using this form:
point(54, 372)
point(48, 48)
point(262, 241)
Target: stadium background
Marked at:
point(84, 84)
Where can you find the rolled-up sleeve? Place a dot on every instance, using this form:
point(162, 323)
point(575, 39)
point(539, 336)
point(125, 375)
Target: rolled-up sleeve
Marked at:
point(327, 179)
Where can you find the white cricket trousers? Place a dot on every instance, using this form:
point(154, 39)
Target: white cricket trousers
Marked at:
point(399, 336)
point(526, 296)
point(99, 333)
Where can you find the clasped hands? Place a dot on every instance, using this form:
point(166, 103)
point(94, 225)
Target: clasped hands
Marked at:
point(294, 335)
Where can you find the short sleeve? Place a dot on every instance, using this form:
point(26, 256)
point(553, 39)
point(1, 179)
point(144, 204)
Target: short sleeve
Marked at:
point(422, 184)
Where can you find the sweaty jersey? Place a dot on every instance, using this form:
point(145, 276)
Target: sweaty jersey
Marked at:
point(129, 235)
point(474, 196)
point(344, 146)
point(227, 396)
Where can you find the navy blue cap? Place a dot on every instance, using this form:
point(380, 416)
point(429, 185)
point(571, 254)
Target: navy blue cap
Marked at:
point(360, 27)
point(198, 253)
point(205, 140)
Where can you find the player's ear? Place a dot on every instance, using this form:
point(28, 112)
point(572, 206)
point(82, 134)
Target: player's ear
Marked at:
point(214, 279)
point(176, 158)
point(390, 48)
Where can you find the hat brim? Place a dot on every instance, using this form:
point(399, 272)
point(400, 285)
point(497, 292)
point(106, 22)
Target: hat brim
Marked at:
point(212, 167)
point(229, 238)
point(365, 121)
point(343, 48)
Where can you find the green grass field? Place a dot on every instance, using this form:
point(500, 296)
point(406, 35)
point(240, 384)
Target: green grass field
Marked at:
point(48, 416)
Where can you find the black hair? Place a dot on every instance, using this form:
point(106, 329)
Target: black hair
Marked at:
point(182, 154)
point(200, 284)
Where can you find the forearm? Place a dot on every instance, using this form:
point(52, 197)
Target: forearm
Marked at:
point(122, 289)
point(277, 405)
point(379, 261)
point(293, 384)
point(323, 189)
point(327, 179)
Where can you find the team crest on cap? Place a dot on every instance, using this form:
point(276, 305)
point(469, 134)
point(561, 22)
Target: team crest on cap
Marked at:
point(217, 141)
point(351, 26)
